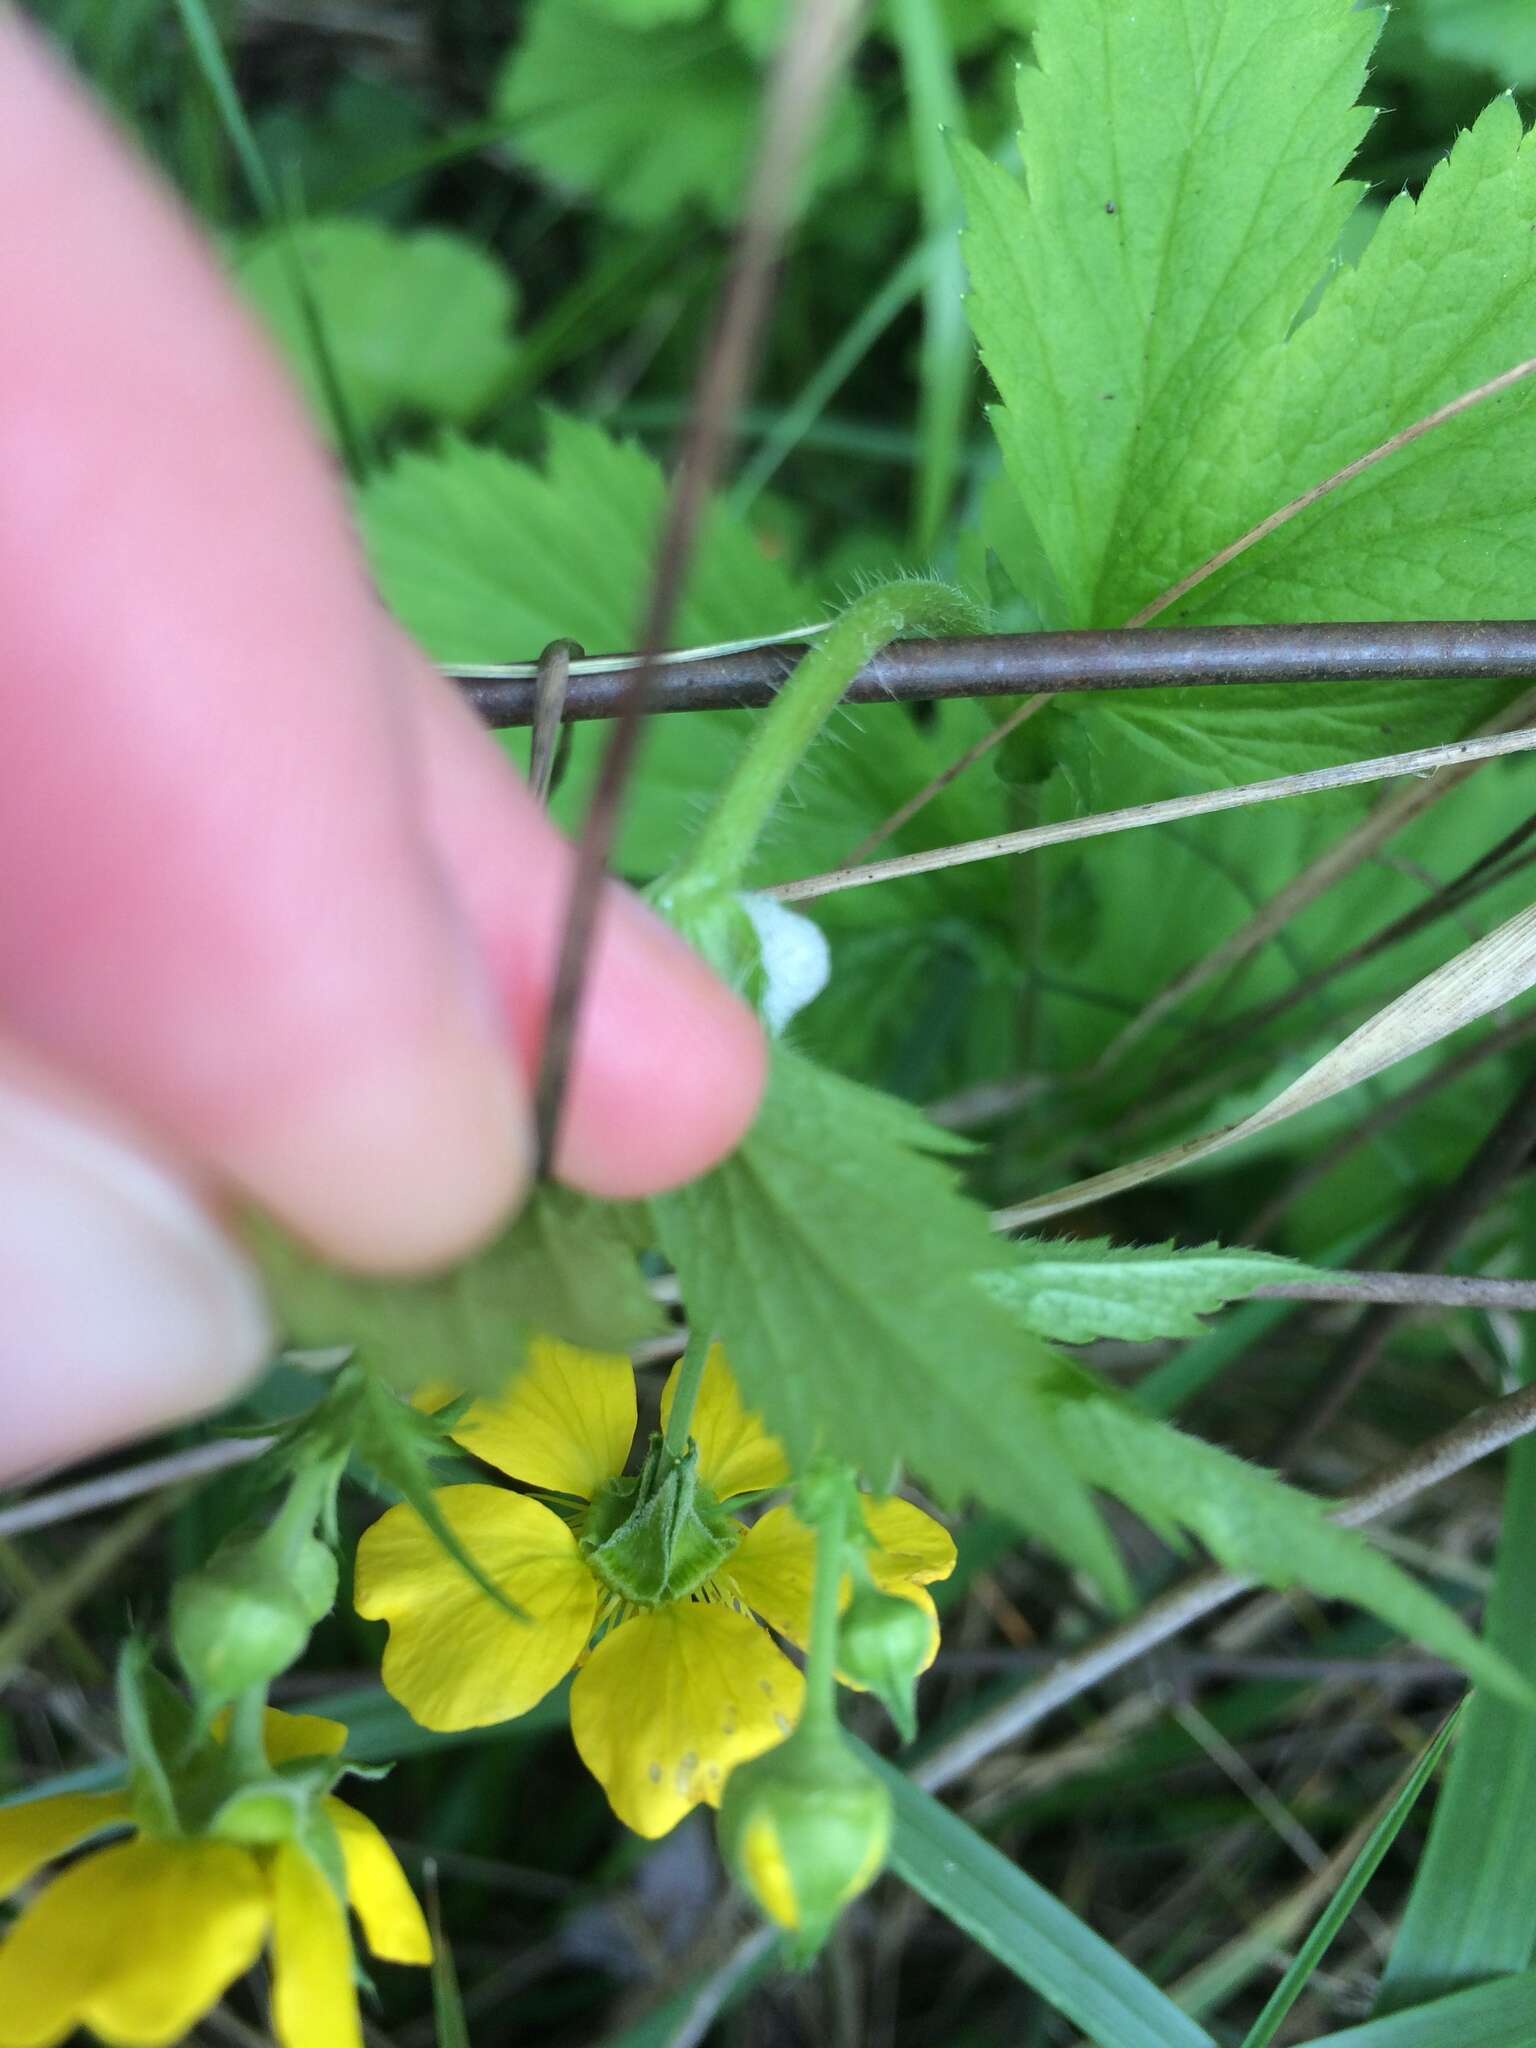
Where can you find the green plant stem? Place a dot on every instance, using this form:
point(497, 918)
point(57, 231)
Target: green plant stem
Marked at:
point(246, 1742)
point(720, 854)
point(295, 1520)
point(819, 1715)
point(690, 1373)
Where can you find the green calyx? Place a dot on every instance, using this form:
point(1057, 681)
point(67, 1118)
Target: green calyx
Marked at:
point(658, 1536)
point(189, 1778)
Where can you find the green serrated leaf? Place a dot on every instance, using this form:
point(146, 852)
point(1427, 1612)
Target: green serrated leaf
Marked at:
point(1151, 196)
point(647, 116)
point(1137, 297)
point(414, 323)
point(569, 1263)
point(487, 559)
point(1251, 1521)
point(1076, 1289)
point(565, 1267)
point(833, 1257)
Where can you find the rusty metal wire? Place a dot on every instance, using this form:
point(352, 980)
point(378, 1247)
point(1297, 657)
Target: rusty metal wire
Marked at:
point(1011, 664)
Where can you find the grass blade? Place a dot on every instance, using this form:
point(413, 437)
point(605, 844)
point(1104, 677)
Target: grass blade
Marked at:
point(1059, 1956)
point(1472, 1909)
point(1498, 2015)
point(203, 37)
point(947, 359)
point(56, 1599)
point(1345, 1899)
point(447, 2005)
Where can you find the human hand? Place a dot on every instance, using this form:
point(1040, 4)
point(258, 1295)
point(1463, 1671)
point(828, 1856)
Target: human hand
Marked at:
point(277, 921)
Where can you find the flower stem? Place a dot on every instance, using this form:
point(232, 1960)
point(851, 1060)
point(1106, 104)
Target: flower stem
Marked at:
point(686, 1393)
point(720, 854)
point(245, 1743)
point(819, 1714)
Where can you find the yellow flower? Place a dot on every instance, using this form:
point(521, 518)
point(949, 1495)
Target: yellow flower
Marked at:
point(140, 1938)
point(677, 1690)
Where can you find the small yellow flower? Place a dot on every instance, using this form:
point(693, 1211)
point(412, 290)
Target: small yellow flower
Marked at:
point(675, 1693)
point(140, 1938)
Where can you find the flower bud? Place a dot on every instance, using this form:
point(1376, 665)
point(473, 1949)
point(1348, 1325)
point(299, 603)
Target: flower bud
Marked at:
point(805, 1828)
point(238, 1622)
point(314, 1578)
point(883, 1642)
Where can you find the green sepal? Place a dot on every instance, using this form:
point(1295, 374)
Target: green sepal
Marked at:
point(392, 1448)
point(318, 1839)
point(397, 1444)
point(659, 1536)
point(157, 1728)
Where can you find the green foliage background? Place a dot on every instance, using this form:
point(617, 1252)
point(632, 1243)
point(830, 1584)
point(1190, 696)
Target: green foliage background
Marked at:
point(1202, 274)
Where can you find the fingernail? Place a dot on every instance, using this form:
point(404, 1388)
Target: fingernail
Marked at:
point(406, 1159)
point(122, 1306)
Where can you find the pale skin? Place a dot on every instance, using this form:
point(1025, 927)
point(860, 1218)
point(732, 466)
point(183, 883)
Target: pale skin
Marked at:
point(277, 921)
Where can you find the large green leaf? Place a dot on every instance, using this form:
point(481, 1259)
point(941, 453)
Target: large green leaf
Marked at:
point(565, 1267)
point(833, 1256)
point(413, 323)
point(1251, 1521)
point(1136, 298)
point(486, 559)
point(1179, 162)
point(644, 110)
point(853, 1287)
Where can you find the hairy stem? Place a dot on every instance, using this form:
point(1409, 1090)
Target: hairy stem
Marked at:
point(721, 852)
point(686, 1393)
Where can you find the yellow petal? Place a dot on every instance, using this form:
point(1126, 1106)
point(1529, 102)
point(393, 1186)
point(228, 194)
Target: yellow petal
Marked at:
point(565, 1423)
point(454, 1658)
point(774, 1564)
point(33, 1833)
point(736, 1453)
point(671, 1701)
point(314, 1999)
point(911, 1548)
point(289, 1736)
point(136, 1942)
point(377, 1887)
point(772, 1569)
